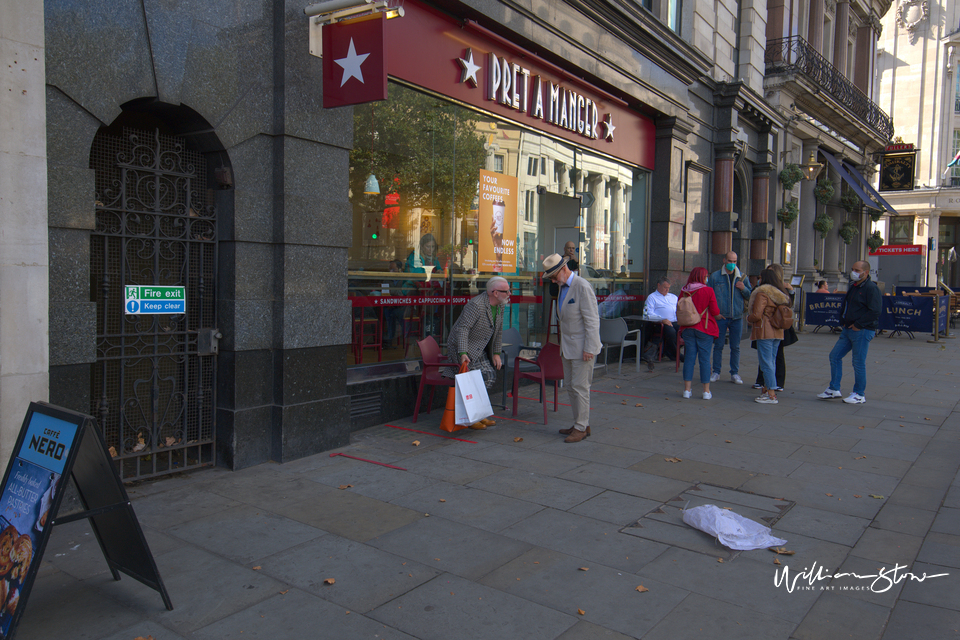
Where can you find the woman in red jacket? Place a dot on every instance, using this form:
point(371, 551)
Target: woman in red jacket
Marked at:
point(699, 338)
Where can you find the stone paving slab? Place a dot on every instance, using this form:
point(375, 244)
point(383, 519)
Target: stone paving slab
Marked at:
point(451, 607)
point(451, 547)
point(590, 450)
point(867, 582)
point(693, 471)
point(296, 614)
point(842, 477)
point(615, 507)
point(911, 620)
point(537, 461)
point(837, 616)
point(742, 582)
point(349, 514)
point(365, 577)
point(606, 596)
point(254, 533)
point(904, 519)
point(742, 460)
point(942, 549)
point(825, 525)
point(585, 538)
point(887, 547)
point(534, 487)
point(469, 506)
point(636, 483)
point(373, 481)
point(854, 461)
point(452, 468)
point(707, 618)
point(142, 630)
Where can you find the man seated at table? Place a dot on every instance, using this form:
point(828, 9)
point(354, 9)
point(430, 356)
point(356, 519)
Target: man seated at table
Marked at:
point(663, 305)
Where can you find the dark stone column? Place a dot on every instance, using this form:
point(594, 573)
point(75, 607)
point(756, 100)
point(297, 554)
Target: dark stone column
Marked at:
point(667, 213)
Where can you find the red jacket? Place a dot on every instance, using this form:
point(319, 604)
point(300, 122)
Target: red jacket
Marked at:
point(705, 298)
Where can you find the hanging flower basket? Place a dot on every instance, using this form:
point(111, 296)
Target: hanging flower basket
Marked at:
point(788, 213)
point(875, 214)
point(824, 191)
point(875, 241)
point(850, 201)
point(847, 231)
point(823, 223)
point(790, 176)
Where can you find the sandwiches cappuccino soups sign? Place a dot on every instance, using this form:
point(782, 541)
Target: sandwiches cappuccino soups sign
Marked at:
point(54, 446)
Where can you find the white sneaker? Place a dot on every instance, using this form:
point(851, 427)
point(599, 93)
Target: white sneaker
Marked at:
point(707, 395)
point(714, 377)
point(829, 394)
point(758, 386)
point(765, 399)
point(855, 398)
point(736, 379)
point(688, 394)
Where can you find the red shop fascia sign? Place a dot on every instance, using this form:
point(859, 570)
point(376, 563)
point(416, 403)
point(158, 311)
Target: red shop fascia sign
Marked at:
point(461, 60)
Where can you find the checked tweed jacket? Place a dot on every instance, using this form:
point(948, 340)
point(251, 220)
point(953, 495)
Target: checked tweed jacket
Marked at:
point(475, 333)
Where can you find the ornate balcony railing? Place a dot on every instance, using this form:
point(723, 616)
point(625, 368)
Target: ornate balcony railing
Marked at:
point(795, 55)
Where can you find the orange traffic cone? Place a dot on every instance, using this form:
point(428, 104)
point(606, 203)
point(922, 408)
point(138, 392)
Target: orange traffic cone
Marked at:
point(450, 411)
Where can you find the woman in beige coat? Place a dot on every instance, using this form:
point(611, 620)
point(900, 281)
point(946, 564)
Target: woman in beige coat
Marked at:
point(763, 302)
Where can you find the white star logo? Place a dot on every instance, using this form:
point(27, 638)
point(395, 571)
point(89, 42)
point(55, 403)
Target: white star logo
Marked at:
point(351, 64)
point(469, 73)
point(608, 127)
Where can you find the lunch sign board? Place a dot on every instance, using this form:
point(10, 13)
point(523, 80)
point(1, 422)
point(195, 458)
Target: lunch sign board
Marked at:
point(54, 445)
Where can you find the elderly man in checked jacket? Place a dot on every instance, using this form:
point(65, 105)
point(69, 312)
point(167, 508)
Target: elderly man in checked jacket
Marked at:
point(475, 336)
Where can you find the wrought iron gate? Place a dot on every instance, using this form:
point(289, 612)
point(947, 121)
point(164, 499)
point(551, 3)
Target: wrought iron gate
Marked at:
point(154, 380)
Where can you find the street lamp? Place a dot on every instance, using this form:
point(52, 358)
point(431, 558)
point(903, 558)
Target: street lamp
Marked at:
point(813, 168)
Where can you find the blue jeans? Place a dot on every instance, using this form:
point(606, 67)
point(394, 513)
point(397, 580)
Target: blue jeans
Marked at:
point(697, 345)
point(858, 342)
point(735, 325)
point(767, 354)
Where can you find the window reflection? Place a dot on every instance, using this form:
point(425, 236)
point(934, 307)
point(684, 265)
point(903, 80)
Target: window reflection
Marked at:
point(415, 189)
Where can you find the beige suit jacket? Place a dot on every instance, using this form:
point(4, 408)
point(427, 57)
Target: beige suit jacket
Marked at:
point(579, 321)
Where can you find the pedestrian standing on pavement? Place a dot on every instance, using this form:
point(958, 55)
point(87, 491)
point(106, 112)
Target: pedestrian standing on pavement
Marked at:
point(579, 319)
point(698, 338)
point(764, 300)
point(475, 336)
point(789, 337)
point(732, 290)
point(861, 318)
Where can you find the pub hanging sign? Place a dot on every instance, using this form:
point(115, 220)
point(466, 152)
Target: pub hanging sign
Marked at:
point(898, 168)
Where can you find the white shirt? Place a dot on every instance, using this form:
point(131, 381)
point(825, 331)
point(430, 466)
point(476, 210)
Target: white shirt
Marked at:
point(661, 306)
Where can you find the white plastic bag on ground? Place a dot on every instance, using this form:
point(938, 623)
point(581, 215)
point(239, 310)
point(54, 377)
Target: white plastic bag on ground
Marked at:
point(731, 529)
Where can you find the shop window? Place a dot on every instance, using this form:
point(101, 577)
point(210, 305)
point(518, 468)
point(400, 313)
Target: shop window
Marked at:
point(901, 230)
point(434, 216)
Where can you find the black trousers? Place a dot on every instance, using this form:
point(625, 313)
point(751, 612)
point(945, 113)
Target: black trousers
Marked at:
point(668, 333)
point(781, 368)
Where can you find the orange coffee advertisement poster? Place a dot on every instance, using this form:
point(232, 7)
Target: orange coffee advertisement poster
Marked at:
point(497, 241)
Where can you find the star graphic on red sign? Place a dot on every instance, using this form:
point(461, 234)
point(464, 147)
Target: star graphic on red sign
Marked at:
point(608, 127)
point(351, 64)
point(469, 73)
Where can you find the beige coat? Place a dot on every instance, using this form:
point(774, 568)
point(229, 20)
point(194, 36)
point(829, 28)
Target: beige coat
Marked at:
point(579, 321)
point(763, 302)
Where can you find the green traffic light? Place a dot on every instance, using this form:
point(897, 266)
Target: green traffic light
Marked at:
point(374, 236)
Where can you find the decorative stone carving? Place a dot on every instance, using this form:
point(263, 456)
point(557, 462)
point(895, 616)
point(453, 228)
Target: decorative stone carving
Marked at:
point(852, 28)
point(910, 13)
point(831, 7)
point(876, 24)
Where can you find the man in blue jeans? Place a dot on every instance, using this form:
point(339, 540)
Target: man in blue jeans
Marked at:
point(732, 290)
point(861, 318)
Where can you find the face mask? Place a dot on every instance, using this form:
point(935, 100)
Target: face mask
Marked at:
point(854, 275)
point(731, 266)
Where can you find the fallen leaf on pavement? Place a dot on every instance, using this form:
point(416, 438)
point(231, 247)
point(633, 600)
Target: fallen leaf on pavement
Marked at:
point(415, 443)
point(345, 486)
point(617, 386)
point(720, 560)
point(856, 496)
point(861, 427)
point(257, 568)
point(581, 612)
point(584, 568)
point(442, 500)
point(926, 418)
point(876, 497)
point(284, 591)
point(640, 404)
point(782, 551)
point(860, 457)
point(624, 402)
point(777, 561)
point(518, 439)
point(674, 460)
point(329, 581)
point(642, 589)
point(728, 441)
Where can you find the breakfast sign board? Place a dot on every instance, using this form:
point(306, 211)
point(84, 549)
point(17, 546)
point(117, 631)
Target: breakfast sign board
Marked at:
point(54, 445)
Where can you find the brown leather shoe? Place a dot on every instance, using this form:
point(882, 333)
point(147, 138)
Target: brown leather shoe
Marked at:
point(488, 422)
point(577, 436)
point(567, 432)
point(478, 425)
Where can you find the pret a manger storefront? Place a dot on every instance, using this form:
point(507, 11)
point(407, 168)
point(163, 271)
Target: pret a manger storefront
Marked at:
point(483, 159)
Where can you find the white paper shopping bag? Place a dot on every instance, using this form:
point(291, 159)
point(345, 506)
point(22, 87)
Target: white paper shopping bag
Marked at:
point(473, 403)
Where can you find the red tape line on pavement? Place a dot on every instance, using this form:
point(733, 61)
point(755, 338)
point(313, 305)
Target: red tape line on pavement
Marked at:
point(514, 419)
point(620, 394)
point(382, 464)
point(427, 433)
point(536, 400)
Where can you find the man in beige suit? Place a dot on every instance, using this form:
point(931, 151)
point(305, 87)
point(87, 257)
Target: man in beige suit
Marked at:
point(579, 340)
